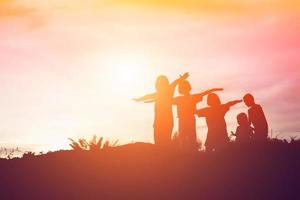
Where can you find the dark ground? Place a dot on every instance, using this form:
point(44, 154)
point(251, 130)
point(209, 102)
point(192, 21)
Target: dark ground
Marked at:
point(143, 171)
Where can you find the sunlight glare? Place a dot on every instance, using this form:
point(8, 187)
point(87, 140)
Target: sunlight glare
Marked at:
point(128, 71)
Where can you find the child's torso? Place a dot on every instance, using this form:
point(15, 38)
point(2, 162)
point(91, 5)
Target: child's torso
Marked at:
point(244, 132)
point(258, 118)
point(216, 118)
point(186, 107)
point(163, 108)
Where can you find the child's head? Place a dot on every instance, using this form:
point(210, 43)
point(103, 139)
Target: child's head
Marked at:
point(249, 100)
point(242, 119)
point(184, 87)
point(162, 83)
point(213, 100)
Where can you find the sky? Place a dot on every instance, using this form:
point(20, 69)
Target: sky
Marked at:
point(70, 68)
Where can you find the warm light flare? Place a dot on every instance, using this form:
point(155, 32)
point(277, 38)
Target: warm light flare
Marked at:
point(127, 71)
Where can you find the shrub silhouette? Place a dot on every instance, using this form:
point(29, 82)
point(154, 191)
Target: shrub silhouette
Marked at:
point(9, 153)
point(28, 154)
point(95, 144)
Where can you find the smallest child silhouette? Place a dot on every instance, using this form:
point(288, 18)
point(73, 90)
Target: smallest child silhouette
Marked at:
point(244, 131)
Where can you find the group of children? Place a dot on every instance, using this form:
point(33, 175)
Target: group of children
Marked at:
point(253, 127)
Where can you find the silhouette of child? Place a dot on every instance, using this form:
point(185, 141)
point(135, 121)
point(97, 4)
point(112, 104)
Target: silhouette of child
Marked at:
point(257, 118)
point(163, 114)
point(217, 135)
point(244, 131)
point(186, 109)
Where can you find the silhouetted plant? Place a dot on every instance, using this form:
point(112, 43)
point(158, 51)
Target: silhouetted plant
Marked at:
point(9, 153)
point(28, 154)
point(75, 145)
point(83, 143)
point(108, 144)
point(94, 144)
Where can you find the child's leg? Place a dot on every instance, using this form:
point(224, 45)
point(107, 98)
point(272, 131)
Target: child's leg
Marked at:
point(163, 134)
point(192, 134)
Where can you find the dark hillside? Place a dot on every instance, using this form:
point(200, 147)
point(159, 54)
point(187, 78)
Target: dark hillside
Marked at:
point(143, 171)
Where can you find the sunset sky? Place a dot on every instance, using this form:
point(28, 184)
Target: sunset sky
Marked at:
point(70, 68)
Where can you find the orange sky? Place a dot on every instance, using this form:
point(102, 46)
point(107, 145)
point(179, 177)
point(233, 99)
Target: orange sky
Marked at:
point(70, 68)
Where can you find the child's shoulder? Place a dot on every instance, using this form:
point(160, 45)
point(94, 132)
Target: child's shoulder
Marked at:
point(178, 97)
point(255, 107)
point(239, 128)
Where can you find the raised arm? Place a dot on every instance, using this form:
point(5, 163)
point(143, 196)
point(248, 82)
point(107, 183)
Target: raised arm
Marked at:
point(147, 98)
point(177, 81)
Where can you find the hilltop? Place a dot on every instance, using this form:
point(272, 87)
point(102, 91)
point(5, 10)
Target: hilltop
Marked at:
point(144, 171)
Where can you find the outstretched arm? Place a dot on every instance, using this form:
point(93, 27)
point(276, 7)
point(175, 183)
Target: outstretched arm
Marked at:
point(202, 112)
point(199, 96)
point(177, 81)
point(211, 91)
point(146, 98)
point(232, 103)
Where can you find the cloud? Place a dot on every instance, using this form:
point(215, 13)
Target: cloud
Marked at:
point(257, 54)
point(219, 6)
point(18, 13)
point(245, 7)
point(11, 8)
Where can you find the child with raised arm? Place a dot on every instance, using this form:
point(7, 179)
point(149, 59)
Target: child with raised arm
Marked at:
point(217, 135)
point(244, 131)
point(186, 109)
point(163, 115)
point(257, 118)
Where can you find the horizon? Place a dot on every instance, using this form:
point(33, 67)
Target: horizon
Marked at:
point(69, 69)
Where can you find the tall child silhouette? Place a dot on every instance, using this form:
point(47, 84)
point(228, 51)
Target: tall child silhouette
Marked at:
point(257, 118)
point(163, 117)
point(186, 109)
point(217, 135)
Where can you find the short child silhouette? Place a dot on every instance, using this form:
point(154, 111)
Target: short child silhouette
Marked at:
point(244, 131)
point(257, 118)
point(217, 135)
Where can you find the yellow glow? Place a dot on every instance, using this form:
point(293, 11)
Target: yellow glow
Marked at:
point(126, 69)
point(126, 72)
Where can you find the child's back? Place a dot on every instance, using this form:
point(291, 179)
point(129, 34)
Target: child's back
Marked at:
point(257, 118)
point(243, 133)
